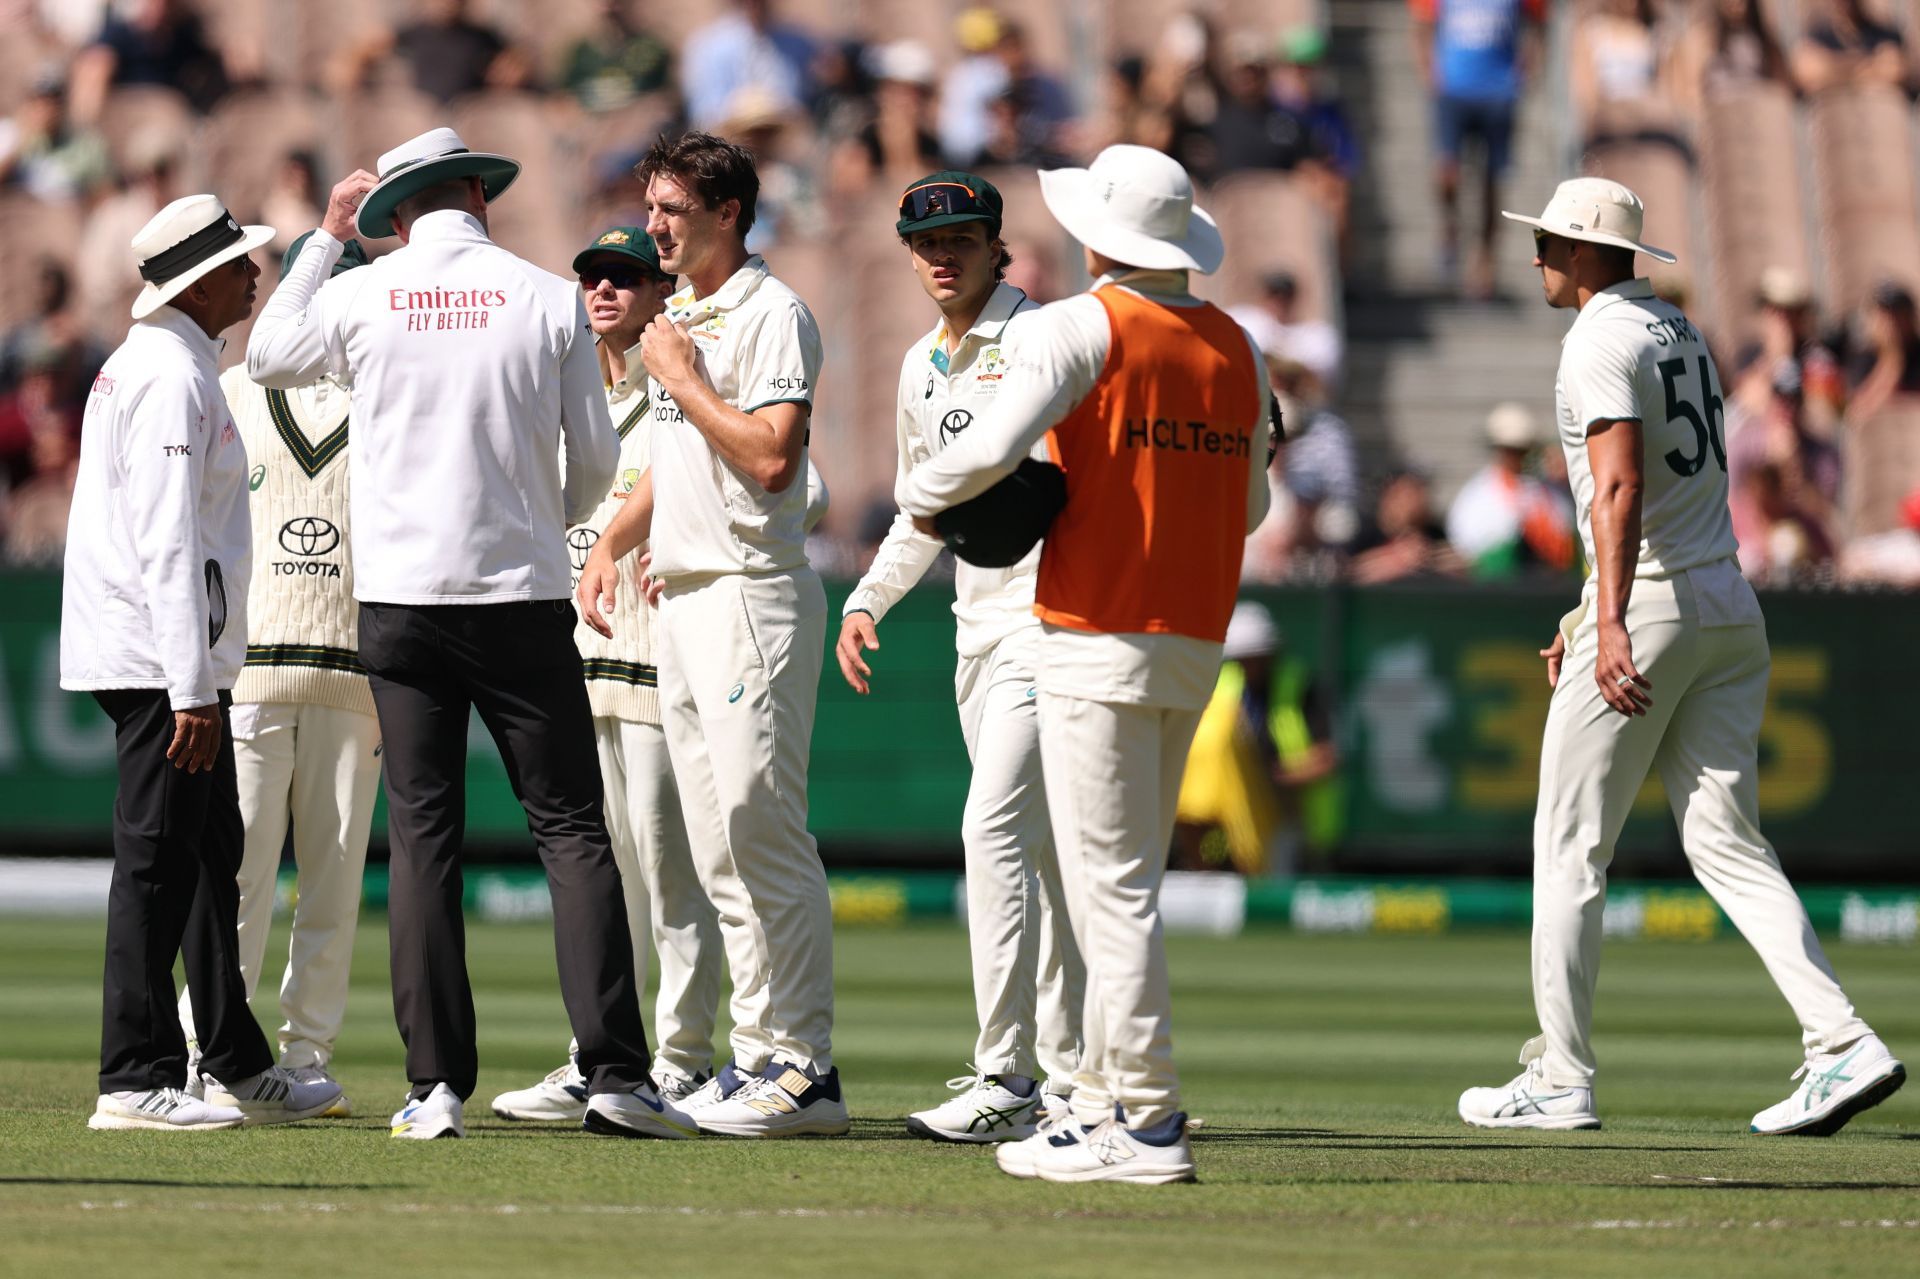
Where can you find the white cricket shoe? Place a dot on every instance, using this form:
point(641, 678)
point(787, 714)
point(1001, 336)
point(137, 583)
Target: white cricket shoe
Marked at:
point(724, 1083)
point(342, 1107)
point(1055, 1105)
point(196, 1087)
point(438, 1114)
point(785, 1101)
point(677, 1088)
point(985, 1110)
point(1021, 1158)
point(560, 1097)
point(1834, 1088)
point(1111, 1151)
point(165, 1109)
point(639, 1113)
point(1527, 1102)
point(274, 1096)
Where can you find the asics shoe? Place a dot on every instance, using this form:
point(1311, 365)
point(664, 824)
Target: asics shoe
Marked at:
point(784, 1101)
point(984, 1110)
point(1834, 1088)
point(561, 1096)
point(725, 1082)
point(274, 1096)
point(342, 1108)
point(639, 1113)
point(1527, 1102)
point(438, 1114)
point(678, 1088)
point(165, 1109)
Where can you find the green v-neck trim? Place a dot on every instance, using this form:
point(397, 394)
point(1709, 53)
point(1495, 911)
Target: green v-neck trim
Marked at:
point(632, 419)
point(312, 458)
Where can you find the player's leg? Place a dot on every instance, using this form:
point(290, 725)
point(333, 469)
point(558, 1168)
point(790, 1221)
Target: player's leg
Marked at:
point(263, 756)
point(1004, 819)
point(336, 779)
point(1709, 762)
point(685, 927)
point(758, 729)
point(1062, 988)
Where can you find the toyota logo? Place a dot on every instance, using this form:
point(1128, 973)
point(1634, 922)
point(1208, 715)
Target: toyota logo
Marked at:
point(953, 423)
point(580, 544)
point(309, 535)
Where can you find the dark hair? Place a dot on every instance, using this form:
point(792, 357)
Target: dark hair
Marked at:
point(709, 167)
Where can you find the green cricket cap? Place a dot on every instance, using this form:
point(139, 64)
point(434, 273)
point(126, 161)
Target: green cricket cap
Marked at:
point(622, 242)
point(351, 256)
point(946, 198)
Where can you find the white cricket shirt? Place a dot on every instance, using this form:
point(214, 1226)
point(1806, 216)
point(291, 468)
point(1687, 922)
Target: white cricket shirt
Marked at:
point(1630, 355)
point(1062, 353)
point(469, 367)
point(756, 343)
point(158, 543)
point(941, 395)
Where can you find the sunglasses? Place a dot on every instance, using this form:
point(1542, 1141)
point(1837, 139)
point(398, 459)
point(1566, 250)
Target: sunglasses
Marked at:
point(939, 199)
point(620, 277)
point(1541, 240)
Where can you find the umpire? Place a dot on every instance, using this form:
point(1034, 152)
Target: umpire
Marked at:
point(470, 368)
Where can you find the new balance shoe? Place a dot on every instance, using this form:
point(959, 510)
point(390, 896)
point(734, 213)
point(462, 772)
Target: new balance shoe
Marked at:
point(785, 1101)
point(561, 1097)
point(1021, 1158)
point(1834, 1088)
point(1111, 1151)
point(639, 1113)
point(1527, 1102)
point(438, 1114)
point(274, 1096)
point(163, 1109)
point(678, 1088)
point(724, 1083)
point(342, 1108)
point(984, 1110)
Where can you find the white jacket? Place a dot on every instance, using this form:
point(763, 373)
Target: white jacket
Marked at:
point(469, 367)
point(158, 542)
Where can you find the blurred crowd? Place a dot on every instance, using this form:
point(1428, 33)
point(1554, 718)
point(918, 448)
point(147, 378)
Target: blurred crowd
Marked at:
point(88, 134)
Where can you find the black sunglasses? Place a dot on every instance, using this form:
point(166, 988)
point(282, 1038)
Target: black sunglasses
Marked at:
point(1540, 239)
point(620, 277)
point(939, 199)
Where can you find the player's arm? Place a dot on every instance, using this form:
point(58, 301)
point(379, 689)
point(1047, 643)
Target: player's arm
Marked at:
point(290, 345)
point(600, 577)
point(1616, 454)
point(764, 445)
point(819, 498)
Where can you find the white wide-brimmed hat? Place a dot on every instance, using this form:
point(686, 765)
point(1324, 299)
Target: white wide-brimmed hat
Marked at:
point(436, 156)
point(1597, 211)
point(183, 242)
point(1135, 205)
point(1510, 426)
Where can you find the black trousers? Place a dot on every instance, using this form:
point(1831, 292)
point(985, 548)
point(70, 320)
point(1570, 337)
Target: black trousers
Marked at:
point(176, 853)
point(518, 666)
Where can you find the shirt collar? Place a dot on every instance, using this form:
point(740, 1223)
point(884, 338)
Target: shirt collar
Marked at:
point(1166, 286)
point(1635, 290)
point(635, 380)
point(738, 288)
point(446, 224)
point(188, 330)
point(988, 326)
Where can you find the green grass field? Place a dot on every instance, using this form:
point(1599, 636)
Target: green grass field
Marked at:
point(1325, 1067)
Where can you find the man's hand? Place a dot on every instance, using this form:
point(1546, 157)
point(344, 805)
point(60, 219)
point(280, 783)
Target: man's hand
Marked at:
point(667, 351)
point(1555, 653)
point(857, 632)
point(344, 203)
point(1621, 684)
point(196, 738)
point(651, 587)
point(599, 584)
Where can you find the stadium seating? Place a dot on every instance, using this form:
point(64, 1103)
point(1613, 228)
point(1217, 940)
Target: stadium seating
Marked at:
point(1756, 213)
point(1883, 466)
point(31, 229)
point(1864, 174)
point(1661, 176)
point(1271, 222)
point(243, 143)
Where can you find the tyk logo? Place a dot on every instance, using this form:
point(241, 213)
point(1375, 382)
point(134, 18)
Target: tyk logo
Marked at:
point(308, 535)
point(580, 545)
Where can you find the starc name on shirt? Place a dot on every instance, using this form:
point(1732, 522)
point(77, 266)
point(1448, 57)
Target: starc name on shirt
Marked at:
point(1185, 437)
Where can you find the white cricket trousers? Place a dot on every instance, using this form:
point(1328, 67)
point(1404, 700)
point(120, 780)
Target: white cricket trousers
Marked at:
point(1028, 979)
point(665, 902)
point(1113, 774)
point(739, 666)
point(317, 767)
point(1702, 734)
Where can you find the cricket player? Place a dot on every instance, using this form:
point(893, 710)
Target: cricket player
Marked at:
point(306, 745)
point(731, 367)
point(1156, 406)
point(1662, 666)
point(624, 287)
point(1028, 980)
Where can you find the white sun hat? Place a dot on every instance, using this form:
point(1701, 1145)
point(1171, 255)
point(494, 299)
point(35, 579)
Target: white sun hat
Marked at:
point(1135, 205)
point(436, 156)
point(1597, 211)
point(183, 242)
